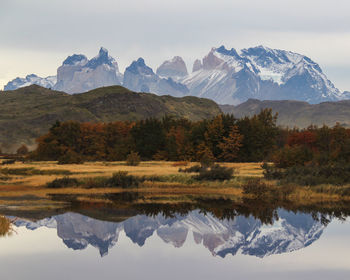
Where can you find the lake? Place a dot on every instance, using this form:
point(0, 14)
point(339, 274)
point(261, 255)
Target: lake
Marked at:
point(193, 244)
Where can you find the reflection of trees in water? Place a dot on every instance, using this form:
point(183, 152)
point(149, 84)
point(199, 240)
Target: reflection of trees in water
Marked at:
point(6, 226)
point(264, 210)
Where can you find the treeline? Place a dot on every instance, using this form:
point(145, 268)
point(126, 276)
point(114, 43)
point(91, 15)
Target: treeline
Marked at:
point(313, 156)
point(223, 138)
point(313, 145)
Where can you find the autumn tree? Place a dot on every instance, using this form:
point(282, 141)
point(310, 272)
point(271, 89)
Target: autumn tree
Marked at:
point(340, 144)
point(260, 135)
point(230, 145)
point(214, 135)
point(133, 159)
point(118, 140)
point(205, 155)
point(92, 141)
point(148, 137)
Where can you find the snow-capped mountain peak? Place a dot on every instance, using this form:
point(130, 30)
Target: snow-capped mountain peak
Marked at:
point(101, 58)
point(139, 67)
point(174, 68)
point(230, 76)
point(227, 76)
point(75, 59)
point(78, 74)
point(31, 79)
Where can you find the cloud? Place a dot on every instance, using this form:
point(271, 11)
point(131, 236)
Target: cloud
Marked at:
point(158, 29)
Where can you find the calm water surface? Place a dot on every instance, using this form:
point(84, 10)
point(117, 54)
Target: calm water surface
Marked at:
point(188, 246)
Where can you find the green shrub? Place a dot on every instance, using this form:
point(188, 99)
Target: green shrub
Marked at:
point(133, 159)
point(195, 168)
point(29, 171)
point(123, 180)
point(64, 182)
point(207, 160)
point(172, 178)
point(260, 190)
point(271, 172)
point(292, 156)
point(310, 175)
point(216, 172)
point(9, 161)
point(17, 171)
point(96, 182)
point(256, 188)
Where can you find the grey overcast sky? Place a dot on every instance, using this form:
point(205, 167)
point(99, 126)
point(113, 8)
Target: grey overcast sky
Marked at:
point(37, 35)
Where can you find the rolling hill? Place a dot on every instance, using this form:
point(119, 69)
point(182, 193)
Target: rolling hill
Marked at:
point(29, 112)
point(296, 113)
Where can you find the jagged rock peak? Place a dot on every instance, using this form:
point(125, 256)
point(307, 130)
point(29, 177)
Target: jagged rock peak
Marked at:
point(101, 58)
point(197, 65)
point(224, 51)
point(78, 74)
point(174, 68)
point(75, 59)
point(211, 60)
point(139, 67)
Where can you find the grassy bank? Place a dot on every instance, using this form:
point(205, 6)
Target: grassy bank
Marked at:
point(27, 185)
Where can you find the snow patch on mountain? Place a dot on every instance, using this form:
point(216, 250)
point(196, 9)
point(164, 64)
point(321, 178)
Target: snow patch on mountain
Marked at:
point(232, 77)
point(31, 79)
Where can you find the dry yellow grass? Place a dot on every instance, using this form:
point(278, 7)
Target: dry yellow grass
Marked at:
point(17, 189)
point(246, 169)
point(94, 169)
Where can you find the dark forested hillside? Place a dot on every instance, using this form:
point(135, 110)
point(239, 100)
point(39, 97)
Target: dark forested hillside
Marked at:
point(29, 112)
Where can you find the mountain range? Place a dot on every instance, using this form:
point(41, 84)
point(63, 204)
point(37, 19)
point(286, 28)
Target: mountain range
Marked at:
point(223, 75)
point(245, 235)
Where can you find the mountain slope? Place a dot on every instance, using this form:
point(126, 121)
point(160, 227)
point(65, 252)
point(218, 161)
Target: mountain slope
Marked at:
point(229, 77)
point(296, 113)
point(29, 112)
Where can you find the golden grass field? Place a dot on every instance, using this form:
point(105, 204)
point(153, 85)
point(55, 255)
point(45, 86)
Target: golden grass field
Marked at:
point(22, 185)
point(29, 191)
point(93, 169)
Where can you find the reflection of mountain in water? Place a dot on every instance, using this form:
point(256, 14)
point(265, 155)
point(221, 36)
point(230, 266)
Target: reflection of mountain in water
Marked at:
point(245, 235)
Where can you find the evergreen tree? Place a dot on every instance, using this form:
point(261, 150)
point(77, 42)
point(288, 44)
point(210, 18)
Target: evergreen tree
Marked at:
point(230, 145)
